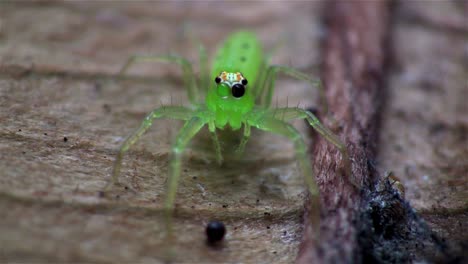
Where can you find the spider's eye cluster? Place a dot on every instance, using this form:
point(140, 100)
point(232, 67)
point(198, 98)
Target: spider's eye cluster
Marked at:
point(235, 81)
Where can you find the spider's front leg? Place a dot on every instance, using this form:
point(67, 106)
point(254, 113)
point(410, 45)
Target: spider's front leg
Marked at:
point(219, 156)
point(188, 131)
point(174, 112)
point(245, 138)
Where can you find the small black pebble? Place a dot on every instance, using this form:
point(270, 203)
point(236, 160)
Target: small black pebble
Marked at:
point(268, 227)
point(19, 130)
point(65, 139)
point(215, 231)
point(225, 205)
point(45, 134)
point(106, 108)
point(126, 187)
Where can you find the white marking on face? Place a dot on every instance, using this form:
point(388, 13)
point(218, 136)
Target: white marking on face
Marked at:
point(231, 78)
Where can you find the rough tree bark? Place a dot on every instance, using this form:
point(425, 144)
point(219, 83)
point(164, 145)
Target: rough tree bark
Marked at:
point(373, 223)
point(354, 57)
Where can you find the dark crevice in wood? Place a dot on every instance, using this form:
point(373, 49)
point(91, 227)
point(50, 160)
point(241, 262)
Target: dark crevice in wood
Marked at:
point(373, 224)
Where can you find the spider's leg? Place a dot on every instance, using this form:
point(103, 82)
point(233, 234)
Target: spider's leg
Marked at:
point(174, 112)
point(265, 93)
point(245, 138)
point(288, 114)
point(190, 129)
point(219, 156)
point(204, 75)
point(189, 77)
point(282, 128)
point(281, 43)
point(204, 72)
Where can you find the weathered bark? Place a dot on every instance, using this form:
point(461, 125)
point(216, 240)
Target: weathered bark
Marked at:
point(372, 223)
point(354, 58)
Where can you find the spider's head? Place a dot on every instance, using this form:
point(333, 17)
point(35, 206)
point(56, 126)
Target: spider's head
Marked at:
point(230, 99)
point(230, 84)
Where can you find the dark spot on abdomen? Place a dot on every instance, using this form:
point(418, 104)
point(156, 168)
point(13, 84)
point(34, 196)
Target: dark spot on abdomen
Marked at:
point(243, 59)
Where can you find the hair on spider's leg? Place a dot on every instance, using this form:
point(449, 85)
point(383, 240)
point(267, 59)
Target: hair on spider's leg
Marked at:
point(275, 109)
point(287, 102)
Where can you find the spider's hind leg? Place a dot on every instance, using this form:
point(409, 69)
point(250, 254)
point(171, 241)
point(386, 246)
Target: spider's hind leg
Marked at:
point(188, 75)
point(288, 114)
point(271, 124)
point(265, 93)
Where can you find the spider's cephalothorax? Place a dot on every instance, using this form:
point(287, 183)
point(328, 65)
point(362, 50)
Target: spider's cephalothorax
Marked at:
point(235, 81)
point(230, 99)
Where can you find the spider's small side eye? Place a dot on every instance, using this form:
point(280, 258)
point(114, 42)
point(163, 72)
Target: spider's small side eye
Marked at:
point(217, 80)
point(244, 82)
point(238, 90)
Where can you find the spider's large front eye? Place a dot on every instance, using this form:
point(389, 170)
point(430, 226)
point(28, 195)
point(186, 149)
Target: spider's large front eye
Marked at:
point(223, 90)
point(238, 90)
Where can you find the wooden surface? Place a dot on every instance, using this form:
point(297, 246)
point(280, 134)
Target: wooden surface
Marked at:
point(57, 81)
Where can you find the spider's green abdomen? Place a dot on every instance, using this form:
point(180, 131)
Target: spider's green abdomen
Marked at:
point(240, 52)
